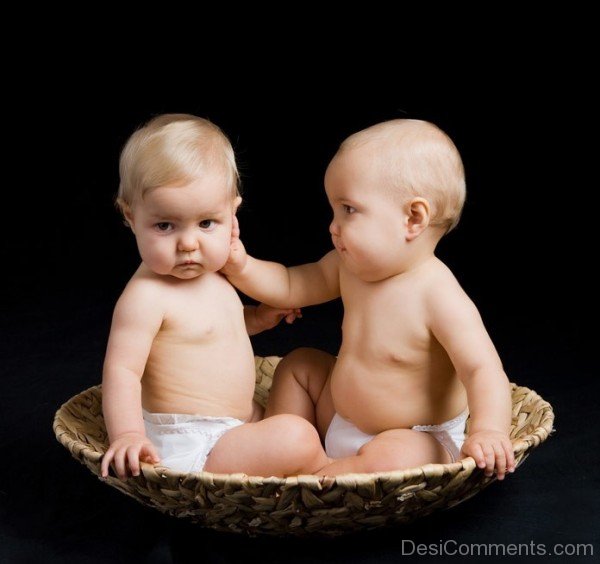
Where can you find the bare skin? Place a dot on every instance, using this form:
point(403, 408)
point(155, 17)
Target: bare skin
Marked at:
point(179, 342)
point(414, 348)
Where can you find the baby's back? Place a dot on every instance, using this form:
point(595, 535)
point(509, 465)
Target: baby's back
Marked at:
point(201, 360)
point(391, 371)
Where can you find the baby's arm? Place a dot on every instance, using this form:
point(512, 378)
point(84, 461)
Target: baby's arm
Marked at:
point(282, 287)
point(263, 317)
point(458, 327)
point(136, 320)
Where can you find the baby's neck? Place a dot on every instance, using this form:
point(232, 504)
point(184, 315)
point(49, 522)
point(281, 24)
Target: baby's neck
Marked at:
point(422, 250)
point(419, 262)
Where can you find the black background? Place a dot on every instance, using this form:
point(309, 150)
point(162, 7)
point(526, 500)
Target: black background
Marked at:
point(521, 251)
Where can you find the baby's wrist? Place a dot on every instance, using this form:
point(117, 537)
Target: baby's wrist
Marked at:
point(234, 271)
point(128, 434)
point(487, 429)
point(242, 268)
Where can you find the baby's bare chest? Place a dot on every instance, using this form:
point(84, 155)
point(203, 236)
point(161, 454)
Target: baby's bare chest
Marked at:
point(387, 323)
point(201, 313)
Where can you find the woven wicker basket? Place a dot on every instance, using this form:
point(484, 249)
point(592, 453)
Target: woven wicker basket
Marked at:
point(299, 505)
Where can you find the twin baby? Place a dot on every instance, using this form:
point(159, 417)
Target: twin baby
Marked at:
point(415, 358)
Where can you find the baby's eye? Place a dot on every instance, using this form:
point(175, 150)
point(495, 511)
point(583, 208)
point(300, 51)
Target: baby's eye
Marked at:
point(206, 223)
point(349, 209)
point(163, 226)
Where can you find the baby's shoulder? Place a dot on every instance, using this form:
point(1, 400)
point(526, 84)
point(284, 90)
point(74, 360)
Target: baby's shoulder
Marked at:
point(140, 304)
point(444, 296)
point(441, 271)
point(145, 287)
point(441, 284)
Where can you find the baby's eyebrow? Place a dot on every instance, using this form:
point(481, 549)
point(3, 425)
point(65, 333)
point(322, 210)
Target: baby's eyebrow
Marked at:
point(345, 200)
point(337, 195)
point(204, 214)
point(164, 216)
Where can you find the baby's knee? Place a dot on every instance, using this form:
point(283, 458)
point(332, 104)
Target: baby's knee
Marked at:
point(296, 429)
point(298, 437)
point(306, 358)
point(297, 357)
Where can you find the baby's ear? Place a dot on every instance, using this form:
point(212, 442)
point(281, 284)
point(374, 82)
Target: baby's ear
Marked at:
point(418, 215)
point(236, 203)
point(127, 214)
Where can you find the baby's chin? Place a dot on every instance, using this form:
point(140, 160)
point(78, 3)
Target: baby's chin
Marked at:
point(187, 275)
point(183, 272)
point(194, 272)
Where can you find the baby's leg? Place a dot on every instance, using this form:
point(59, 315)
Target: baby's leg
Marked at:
point(258, 412)
point(301, 386)
point(282, 445)
point(395, 449)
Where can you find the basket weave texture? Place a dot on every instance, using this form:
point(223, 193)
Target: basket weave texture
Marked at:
point(299, 505)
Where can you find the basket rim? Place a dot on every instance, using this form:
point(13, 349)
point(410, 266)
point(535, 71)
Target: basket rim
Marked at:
point(351, 480)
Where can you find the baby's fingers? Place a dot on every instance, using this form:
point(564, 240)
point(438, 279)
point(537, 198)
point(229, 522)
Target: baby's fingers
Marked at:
point(106, 459)
point(490, 459)
point(119, 462)
point(292, 315)
point(500, 461)
point(149, 454)
point(477, 453)
point(510, 455)
point(133, 458)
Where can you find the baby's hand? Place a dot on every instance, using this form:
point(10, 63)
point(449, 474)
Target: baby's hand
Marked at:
point(491, 449)
point(268, 317)
point(127, 451)
point(237, 252)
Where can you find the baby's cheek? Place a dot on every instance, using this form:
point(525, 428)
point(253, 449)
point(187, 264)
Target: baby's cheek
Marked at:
point(158, 259)
point(220, 254)
point(221, 260)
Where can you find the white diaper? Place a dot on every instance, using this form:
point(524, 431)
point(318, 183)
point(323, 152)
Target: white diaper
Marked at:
point(185, 441)
point(343, 438)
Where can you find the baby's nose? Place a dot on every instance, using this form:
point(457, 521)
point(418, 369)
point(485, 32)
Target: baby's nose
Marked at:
point(187, 243)
point(333, 228)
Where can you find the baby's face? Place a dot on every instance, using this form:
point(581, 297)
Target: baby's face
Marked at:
point(369, 227)
point(184, 231)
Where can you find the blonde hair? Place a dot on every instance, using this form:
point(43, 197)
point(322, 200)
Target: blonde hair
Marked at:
point(173, 149)
point(419, 160)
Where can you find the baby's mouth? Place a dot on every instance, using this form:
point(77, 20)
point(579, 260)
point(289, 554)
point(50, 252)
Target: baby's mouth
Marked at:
point(339, 247)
